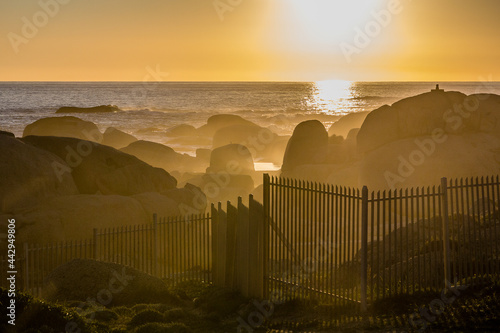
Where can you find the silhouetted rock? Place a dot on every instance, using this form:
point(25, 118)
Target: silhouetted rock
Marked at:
point(422, 161)
point(162, 156)
point(219, 121)
point(155, 203)
point(101, 169)
point(231, 159)
point(335, 139)
point(487, 117)
point(346, 123)
point(66, 126)
point(411, 117)
point(308, 145)
point(81, 279)
point(95, 109)
point(181, 130)
point(203, 154)
point(117, 139)
point(153, 153)
point(29, 175)
point(418, 140)
point(190, 199)
point(252, 136)
point(7, 134)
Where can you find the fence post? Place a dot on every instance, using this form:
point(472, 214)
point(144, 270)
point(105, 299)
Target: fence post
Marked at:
point(265, 231)
point(446, 232)
point(96, 246)
point(155, 245)
point(230, 248)
point(364, 246)
point(215, 244)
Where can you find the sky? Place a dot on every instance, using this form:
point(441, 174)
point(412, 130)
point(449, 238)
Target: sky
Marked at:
point(249, 40)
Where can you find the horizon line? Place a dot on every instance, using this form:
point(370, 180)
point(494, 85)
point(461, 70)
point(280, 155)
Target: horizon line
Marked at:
point(242, 81)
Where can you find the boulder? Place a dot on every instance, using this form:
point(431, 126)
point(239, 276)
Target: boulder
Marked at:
point(487, 116)
point(73, 217)
point(198, 141)
point(221, 187)
point(252, 136)
point(95, 109)
point(117, 139)
point(203, 154)
point(346, 123)
point(66, 126)
point(423, 161)
point(161, 156)
point(7, 134)
point(190, 199)
point(101, 169)
point(84, 279)
point(411, 117)
point(181, 130)
point(352, 136)
point(231, 159)
point(308, 145)
point(219, 121)
point(28, 175)
point(155, 203)
point(273, 151)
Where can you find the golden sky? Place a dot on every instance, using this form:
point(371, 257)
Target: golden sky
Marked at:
point(242, 40)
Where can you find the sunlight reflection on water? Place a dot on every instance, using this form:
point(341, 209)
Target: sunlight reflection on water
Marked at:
point(332, 96)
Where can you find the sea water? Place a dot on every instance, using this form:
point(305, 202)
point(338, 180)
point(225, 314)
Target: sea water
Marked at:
point(150, 108)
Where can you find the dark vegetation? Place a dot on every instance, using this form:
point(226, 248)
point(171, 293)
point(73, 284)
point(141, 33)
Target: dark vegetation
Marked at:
point(204, 308)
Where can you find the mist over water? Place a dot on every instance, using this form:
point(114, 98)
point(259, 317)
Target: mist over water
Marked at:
point(151, 108)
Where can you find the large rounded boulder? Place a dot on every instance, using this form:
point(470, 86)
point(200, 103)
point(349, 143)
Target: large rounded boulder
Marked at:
point(411, 117)
point(101, 169)
point(308, 145)
point(252, 136)
point(161, 156)
point(94, 109)
point(419, 140)
point(216, 122)
point(231, 159)
point(423, 161)
point(29, 175)
point(345, 124)
point(181, 130)
point(67, 126)
point(117, 139)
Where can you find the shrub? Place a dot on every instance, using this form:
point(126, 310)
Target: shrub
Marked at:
point(222, 301)
point(33, 314)
point(163, 328)
point(146, 316)
point(174, 315)
point(123, 311)
point(105, 315)
point(190, 289)
point(140, 307)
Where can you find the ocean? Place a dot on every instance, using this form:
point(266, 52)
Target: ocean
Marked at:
point(149, 108)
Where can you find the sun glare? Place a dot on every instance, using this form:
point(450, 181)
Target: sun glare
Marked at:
point(328, 21)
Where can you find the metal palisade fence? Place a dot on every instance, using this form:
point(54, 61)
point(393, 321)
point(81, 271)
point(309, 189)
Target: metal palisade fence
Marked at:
point(346, 246)
point(343, 246)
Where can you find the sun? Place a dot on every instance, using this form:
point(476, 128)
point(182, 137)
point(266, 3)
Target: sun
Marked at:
point(331, 21)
